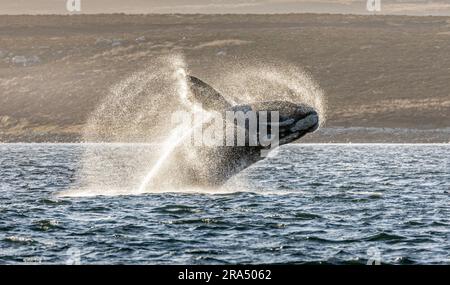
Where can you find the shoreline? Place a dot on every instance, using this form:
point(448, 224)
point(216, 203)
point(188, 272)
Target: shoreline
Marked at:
point(328, 135)
point(384, 78)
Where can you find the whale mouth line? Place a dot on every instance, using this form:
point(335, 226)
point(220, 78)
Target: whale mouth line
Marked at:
point(307, 124)
point(296, 118)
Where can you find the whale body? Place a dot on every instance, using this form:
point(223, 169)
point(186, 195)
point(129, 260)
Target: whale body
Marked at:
point(214, 165)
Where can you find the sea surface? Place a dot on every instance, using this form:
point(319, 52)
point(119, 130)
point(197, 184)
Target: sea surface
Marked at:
point(337, 204)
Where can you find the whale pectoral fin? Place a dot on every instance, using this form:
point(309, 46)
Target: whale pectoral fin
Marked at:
point(210, 99)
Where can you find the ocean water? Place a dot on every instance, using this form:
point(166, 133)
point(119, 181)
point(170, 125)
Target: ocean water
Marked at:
point(338, 204)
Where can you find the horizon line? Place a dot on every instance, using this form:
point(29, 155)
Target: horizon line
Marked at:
point(226, 14)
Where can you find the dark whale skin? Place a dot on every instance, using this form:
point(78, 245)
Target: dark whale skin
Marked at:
point(194, 166)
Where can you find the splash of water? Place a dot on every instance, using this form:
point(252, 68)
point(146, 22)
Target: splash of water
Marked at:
point(137, 112)
point(178, 136)
point(170, 144)
point(249, 81)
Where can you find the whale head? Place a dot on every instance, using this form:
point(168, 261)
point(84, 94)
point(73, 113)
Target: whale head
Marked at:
point(295, 120)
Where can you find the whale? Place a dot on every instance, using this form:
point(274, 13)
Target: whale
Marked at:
point(212, 166)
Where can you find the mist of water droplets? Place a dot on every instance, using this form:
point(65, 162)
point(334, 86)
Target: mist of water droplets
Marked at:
point(136, 116)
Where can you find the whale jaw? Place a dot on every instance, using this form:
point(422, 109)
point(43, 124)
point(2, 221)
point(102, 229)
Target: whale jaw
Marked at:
point(294, 120)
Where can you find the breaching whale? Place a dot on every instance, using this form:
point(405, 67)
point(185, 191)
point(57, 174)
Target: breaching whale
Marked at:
point(214, 165)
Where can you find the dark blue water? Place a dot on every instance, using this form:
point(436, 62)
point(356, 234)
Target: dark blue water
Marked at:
point(335, 204)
